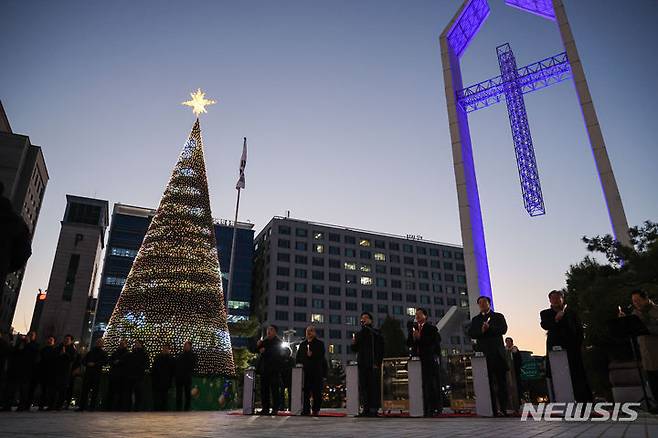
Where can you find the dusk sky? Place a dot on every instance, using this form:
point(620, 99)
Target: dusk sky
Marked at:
point(344, 109)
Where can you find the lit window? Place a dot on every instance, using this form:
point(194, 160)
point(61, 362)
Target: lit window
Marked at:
point(350, 266)
point(331, 348)
point(367, 281)
point(239, 304)
point(123, 252)
point(411, 311)
point(115, 281)
point(319, 235)
point(318, 317)
point(350, 320)
point(380, 256)
point(365, 268)
point(318, 248)
point(364, 242)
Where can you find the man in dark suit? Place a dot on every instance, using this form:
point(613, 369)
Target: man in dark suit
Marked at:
point(425, 342)
point(270, 365)
point(488, 328)
point(368, 344)
point(311, 355)
point(565, 330)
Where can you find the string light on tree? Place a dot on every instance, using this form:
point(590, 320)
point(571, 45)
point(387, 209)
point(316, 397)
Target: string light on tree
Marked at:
point(173, 292)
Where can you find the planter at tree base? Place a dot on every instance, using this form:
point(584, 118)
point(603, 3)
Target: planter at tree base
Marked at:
point(212, 393)
point(625, 380)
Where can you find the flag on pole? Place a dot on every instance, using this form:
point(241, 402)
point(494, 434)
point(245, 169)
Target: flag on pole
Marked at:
point(243, 164)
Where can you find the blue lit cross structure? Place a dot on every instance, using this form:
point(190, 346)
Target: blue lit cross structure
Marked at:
point(511, 85)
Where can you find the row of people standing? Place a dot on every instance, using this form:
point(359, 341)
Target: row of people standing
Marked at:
point(45, 376)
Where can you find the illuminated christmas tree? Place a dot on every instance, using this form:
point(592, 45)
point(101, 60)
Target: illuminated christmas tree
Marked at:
point(173, 292)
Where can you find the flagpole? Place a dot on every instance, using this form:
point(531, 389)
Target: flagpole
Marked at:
point(238, 187)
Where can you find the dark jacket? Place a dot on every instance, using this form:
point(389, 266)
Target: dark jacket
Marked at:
point(369, 347)
point(316, 364)
point(567, 333)
point(273, 359)
point(490, 342)
point(15, 240)
point(47, 363)
point(428, 346)
point(94, 361)
point(185, 364)
point(118, 363)
point(163, 371)
point(137, 362)
point(65, 356)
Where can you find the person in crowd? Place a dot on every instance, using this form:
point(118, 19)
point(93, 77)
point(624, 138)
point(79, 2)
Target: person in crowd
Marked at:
point(15, 368)
point(45, 375)
point(270, 365)
point(162, 375)
point(137, 362)
point(565, 330)
point(5, 353)
point(425, 342)
point(487, 329)
point(94, 361)
point(76, 372)
point(64, 359)
point(117, 377)
point(185, 364)
point(515, 361)
point(15, 239)
point(29, 364)
point(368, 344)
point(311, 355)
point(647, 311)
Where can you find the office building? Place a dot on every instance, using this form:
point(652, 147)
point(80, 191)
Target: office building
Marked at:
point(24, 175)
point(127, 230)
point(75, 267)
point(326, 275)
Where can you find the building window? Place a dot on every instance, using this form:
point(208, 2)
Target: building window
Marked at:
point(282, 285)
point(350, 266)
point(300, 287)
point(123, 252)
point(424, 287)
point(333, 237)
point(334, 263)
point(365, 254)
point(301, 259)
point(459, 256)
point(447, 254)
point(365, 268)
point(317, 304)
point(409, 273)
point(460, 267)
point(317, 289)
point(364, 242)
point(447, 266)
point(334, 291)
point(334, 319)
point(318, 235)
point(407, 248)
point(411, 311)
point(423, 274)
point(241, 305)
point(381, 282)
point(395, 258)
point(335, 334)
point(382, 296)
point(382, 308)
point(396, 284)
point(436, 276)
point(301, 246)
point(422, 262)
point(366, 281)
point(334, 250)
point(301, 232)
point(350, 306)
point(438, 301)
point(351, 240)
point(318, 248)
point(350, 252)
point(281, 300)
point(284, 243)
point(366, 293)
point(410, 285)
point(334, 276)
point(380, 256)
point(109, 280)
point(421, 250)
point(434, 252)
point(395, 270)
point(284, 229)
point(350, 279)
point(397, 310)
point(317, 275)
point(380, 269)
point(317, 261)
point(424, 299)
point(451, 301)
point(334, 305)
point(317, 318)
point(408, 260)
point(449, 277)
point(283, 271)
point(380, 244)
point(300, 273)
point(367, 307)
point(281, 315)
point(300, 302)
point(350, 320)
point(350, 292)
point(461, 279)
point(394, 246)
point(283, 257)
point(300, 316)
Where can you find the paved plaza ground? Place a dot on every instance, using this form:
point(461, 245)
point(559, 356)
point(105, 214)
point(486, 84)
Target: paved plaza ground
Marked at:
point(213, 424)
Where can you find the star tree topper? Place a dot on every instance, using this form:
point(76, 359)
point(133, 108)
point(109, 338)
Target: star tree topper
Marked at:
point(199, 102)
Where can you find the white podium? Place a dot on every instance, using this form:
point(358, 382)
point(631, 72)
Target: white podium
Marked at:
point(481, 387)
point(415, 375)
point(352, 384)
point(297, 390)
point(248, 396)
point(560, 376)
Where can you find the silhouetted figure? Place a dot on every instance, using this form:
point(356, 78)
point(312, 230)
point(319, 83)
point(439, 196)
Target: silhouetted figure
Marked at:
point(185, 364)
point(425, 341)
point(5, 354)
point(15, 367)
point(94, 361)
point(270, 366)
point(311, 355)
point(117, 377)
point(162, 375)
point(488, 328)
point(65, 356)
point(15, 240)
point(368, 344)
point(137, 362)
point(565, 329)
point(30, 360)
point(517, 362)
point(45, 376)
